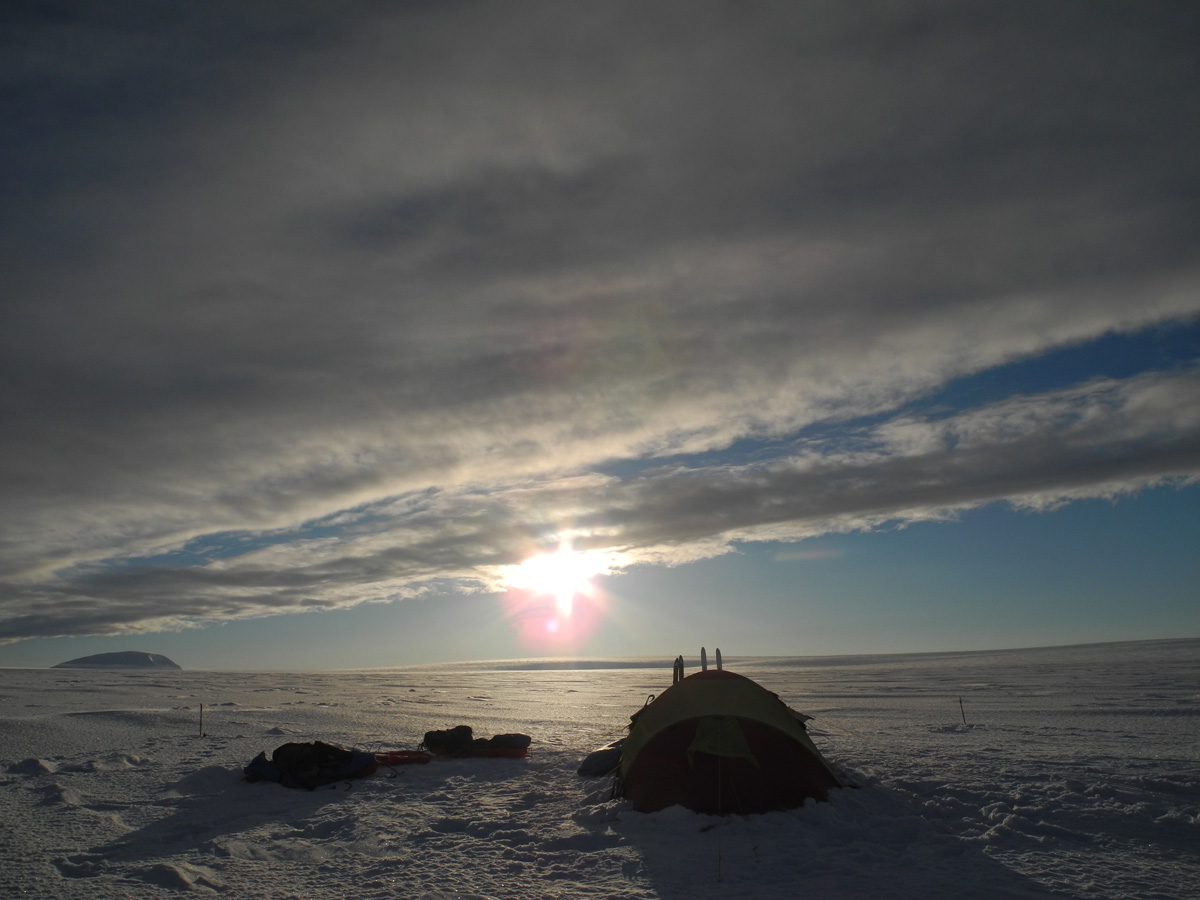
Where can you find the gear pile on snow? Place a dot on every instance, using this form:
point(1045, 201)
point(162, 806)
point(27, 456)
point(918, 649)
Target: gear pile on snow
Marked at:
point(461, 741)
point(310, 765)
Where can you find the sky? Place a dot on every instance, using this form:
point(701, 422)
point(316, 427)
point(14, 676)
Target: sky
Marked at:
point(386, 333)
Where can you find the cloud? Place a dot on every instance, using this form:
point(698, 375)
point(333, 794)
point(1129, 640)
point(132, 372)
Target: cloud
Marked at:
point(1098, 440)
point(278, 269)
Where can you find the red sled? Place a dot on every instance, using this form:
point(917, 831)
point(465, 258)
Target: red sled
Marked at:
point(403, 758)
point(501, 752)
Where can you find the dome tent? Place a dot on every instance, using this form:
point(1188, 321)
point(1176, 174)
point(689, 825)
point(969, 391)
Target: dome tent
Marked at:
point(718, 742)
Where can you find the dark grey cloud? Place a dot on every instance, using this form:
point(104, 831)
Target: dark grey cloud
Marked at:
point(270, 264)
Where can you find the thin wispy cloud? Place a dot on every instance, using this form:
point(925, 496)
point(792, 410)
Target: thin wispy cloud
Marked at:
point(360, 300)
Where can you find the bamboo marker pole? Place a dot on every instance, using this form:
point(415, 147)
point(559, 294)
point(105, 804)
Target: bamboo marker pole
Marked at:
point(201, 720)
point(962, 711)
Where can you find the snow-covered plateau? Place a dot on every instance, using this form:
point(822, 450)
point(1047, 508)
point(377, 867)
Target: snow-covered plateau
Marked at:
point(1052, 772)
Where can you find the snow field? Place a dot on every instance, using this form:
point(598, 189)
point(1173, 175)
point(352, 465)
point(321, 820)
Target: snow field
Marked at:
point(1075, 773)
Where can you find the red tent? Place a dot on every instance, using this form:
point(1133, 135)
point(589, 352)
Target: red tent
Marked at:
point(718, 742)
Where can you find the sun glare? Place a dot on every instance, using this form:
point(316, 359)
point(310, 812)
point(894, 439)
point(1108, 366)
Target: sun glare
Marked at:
point(561, 575)
point(553, 599)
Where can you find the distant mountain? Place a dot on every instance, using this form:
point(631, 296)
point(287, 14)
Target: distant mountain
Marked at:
point(126, 659)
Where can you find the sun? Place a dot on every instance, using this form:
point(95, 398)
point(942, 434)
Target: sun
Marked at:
point(555, 601)
point(562, 574)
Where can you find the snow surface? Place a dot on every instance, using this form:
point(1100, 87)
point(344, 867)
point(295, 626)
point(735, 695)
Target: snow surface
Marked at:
point(1076, 774)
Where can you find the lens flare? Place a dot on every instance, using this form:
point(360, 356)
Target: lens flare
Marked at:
point(553, 600)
